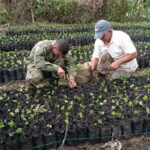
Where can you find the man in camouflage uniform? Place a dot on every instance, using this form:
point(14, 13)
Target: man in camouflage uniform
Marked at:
point(51, 56)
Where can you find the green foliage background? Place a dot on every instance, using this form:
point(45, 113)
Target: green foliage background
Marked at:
point(73, 11)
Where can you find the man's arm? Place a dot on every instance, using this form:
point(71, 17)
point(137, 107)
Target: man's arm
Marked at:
point(39, 60)
point(96, 54)
point(70, 66)
point(126, 58)
point(94, 63)
point(129, 50)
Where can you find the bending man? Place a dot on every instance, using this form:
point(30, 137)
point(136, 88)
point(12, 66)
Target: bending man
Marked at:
point(52, 57)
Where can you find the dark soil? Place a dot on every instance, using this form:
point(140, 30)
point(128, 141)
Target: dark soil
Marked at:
point(141, 143)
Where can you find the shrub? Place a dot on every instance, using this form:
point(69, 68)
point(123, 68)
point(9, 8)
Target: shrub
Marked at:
point(4, 16)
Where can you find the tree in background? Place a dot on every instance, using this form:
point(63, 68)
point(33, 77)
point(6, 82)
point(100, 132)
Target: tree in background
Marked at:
point(72, 11)
point(139, 9)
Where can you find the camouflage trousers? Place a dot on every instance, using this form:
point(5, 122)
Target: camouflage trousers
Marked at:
point(84, 74)
point(35, 75)
point(103, 68)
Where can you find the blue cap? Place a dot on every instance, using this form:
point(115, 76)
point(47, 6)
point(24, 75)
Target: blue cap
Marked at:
point(100, 28)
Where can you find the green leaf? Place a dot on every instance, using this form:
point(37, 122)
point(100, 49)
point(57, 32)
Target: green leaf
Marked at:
point(147, 110)
point(105, 90)
point(135, 102)
point(49, 126)
point(11, 123)
point(105, 101)
point(113, 101)
point(28, 111)
point(80, 115)
point(132, 86)
point(19, 62)
point(91, 112)
point(71, 102)
point(100, 121)
point(116, 114)
point(19, 130)
point(63, 107)
point(1, 97)
point(101, 103)
point(130, 104)
point(101, 113)
point(12, 114)
point(70, 107)
point(1, 124)
point(136, 112)
point(67, 121)
point(113, 113)
point(66, 101)
point(66, 114)
point(141, 103)
point(17, 110)
point(113, 107)
point(145, 98)
point(23, 117)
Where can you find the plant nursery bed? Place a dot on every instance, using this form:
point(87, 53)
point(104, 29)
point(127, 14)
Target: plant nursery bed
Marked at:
point(39, 117)
point(98, 115)
point(22, 83)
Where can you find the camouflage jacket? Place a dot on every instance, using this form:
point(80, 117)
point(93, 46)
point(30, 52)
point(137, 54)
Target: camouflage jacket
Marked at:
point(42, 57)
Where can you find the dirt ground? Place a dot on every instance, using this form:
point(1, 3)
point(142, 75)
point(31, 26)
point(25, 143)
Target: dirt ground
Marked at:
point(140, 143)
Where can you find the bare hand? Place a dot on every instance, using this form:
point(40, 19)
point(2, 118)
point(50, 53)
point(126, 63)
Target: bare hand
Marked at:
point(91, 66)
point(72, 84)
point(60, 72)
point(114, 66)
point(93, 63)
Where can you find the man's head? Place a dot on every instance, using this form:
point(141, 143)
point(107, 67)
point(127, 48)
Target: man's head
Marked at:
point(103, 31)
point(60, 48)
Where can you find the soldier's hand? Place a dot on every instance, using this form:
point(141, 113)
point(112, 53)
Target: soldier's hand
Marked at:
point(89, 65)
point(72, 84)
point(61, 72)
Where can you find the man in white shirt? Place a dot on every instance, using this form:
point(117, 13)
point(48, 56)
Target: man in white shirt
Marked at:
point(114, 52)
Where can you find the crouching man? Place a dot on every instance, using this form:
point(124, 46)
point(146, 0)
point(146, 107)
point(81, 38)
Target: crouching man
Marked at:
point(114, 52)
point(52, 57)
